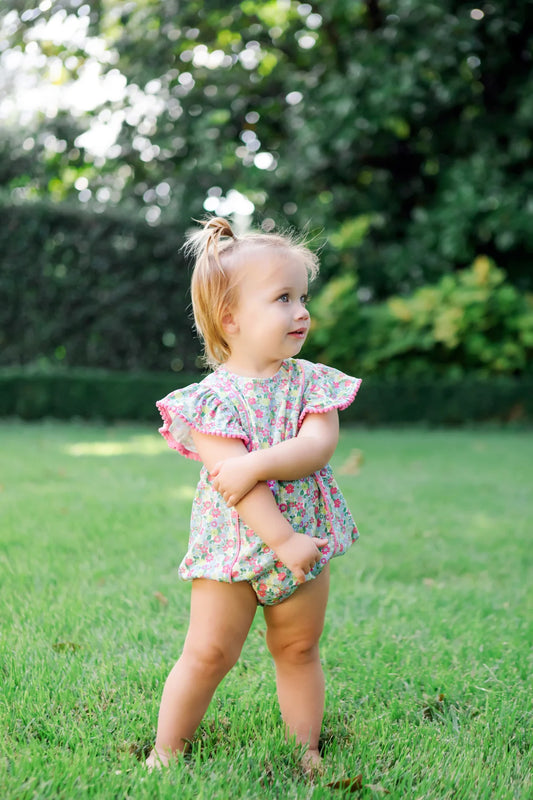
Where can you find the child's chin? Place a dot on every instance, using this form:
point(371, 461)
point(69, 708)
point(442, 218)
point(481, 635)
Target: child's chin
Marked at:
point(298, 341)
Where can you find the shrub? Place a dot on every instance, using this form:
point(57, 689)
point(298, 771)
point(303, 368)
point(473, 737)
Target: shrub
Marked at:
point(472, 321)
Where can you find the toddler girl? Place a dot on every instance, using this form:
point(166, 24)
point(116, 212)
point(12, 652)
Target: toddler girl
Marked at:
point(267, 515)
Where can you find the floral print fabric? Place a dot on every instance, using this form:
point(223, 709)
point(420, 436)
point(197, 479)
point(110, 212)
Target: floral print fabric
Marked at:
point(261, 412)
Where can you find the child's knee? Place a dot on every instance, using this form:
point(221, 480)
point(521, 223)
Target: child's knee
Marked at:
point(211, 660)
point(297, 651)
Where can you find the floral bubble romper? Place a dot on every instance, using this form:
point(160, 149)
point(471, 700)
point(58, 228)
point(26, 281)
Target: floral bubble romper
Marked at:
point(261, 412)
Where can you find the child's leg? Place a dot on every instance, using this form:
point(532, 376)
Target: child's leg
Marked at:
point(294, 628)
point(221, 615)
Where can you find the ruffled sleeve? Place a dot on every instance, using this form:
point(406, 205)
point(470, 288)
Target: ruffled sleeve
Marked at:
point(325, 389)
point(197, 407)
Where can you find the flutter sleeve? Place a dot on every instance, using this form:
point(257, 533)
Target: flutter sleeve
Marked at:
point(325, 389)
point(199, 408)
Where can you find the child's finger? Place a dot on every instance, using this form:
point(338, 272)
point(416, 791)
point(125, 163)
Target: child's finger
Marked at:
point(299, 575)
point(319, 542)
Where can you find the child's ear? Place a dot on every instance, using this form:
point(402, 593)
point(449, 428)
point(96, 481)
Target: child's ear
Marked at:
point(229, 323)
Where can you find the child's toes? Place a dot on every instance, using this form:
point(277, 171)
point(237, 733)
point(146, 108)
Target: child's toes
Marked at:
point(312, 763)
point(156, 761)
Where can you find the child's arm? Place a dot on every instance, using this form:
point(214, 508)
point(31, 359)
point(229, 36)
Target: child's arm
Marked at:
point(260, 512)
point(295, 458)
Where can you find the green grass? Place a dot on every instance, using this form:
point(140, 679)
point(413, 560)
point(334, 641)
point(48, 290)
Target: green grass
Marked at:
point(427, 649)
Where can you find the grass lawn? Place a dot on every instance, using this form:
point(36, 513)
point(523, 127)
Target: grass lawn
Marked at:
point(427, 649)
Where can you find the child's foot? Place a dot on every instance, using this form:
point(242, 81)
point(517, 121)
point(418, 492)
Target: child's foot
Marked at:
point(312, 763)
point(156, 760)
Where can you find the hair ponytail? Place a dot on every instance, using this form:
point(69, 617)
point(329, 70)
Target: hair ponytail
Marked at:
point(211, 286)
point(207, 241)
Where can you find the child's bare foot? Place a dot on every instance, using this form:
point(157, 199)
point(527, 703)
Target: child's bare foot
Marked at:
point(156, 760)
point(312, 763)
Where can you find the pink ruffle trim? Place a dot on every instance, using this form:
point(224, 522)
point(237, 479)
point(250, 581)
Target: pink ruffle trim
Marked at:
point(340, 405)
point(174, 444)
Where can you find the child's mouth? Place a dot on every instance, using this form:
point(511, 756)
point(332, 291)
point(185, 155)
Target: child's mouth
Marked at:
point(301, 333)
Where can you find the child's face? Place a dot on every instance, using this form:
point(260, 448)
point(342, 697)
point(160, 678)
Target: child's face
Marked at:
point(270, 321)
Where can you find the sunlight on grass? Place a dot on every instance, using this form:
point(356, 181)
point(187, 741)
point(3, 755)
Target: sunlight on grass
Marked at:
point(137, 445)
point(482, 521)
point(185, 492)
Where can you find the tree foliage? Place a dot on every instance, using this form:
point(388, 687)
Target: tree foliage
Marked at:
point(397, 133)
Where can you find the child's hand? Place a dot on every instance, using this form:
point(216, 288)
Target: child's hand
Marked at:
point(233, 478)
point(300, 553)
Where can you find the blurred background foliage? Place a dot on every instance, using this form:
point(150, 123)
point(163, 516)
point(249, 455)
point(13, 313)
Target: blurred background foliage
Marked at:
point(470, 322)
point(396, 134)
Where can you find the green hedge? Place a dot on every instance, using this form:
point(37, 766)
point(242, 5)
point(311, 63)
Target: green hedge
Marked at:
point(131, 396)
point(82, 289)
point(88, 394)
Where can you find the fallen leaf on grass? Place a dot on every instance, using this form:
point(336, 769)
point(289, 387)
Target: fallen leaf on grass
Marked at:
point(61, 647)
point(434, 705)
point(161, 597)
point(352, 784)
point(352, 465)
point(516, 413)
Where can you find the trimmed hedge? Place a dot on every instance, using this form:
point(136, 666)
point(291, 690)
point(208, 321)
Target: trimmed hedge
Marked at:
point(81, 289)
point(110, 396)
point(87, 394)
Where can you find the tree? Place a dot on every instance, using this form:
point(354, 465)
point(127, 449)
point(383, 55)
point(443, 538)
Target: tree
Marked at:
point(396, 132)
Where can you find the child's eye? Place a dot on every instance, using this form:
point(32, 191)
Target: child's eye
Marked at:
point(284, 298)
point(304, 299)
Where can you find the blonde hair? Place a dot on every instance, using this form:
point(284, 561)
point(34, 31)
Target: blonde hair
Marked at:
point(217, 253)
